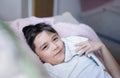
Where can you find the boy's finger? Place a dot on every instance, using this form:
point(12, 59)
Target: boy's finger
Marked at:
point(81, 52)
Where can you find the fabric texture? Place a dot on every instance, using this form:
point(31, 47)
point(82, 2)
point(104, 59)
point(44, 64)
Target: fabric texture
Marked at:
point(64, 29)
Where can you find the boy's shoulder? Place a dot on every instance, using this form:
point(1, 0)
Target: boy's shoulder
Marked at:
point(75, 39)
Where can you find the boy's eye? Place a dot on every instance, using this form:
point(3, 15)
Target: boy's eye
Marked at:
point(44, 47)
point(56, 38)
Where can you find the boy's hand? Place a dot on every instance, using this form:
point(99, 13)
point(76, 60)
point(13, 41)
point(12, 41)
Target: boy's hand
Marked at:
point(88, 47)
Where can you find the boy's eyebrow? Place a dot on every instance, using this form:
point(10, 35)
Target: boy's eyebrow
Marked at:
point(54, 35)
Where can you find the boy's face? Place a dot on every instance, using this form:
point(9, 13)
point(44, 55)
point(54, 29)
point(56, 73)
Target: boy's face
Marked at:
point(49, 47)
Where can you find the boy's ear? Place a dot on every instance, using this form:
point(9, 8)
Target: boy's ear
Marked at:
point(41, 60)
point(36, 54)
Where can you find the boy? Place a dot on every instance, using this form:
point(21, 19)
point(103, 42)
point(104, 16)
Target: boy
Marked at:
point(62, 60)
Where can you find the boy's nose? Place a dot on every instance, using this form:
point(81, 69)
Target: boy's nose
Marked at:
point(54, 46)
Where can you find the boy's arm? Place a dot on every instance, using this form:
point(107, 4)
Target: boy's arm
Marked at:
point(110, 62)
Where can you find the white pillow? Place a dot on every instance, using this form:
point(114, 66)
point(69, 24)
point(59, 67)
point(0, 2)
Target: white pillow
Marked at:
point(66, 17)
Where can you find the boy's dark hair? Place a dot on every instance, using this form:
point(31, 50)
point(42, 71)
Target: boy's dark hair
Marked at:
point(31, 31)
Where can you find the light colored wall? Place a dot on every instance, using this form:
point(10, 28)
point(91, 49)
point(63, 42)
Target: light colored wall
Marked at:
point(14, 9)
point(10, 9)
point(27, 8)
point(73, 6)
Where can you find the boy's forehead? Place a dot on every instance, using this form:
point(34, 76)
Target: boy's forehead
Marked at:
point(43, 37)
point(45, 33)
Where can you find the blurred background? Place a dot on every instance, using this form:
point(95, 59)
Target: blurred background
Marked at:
point(102, 15)
point(16, 61)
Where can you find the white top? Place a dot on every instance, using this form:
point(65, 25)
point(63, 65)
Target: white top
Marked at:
point(76, 66)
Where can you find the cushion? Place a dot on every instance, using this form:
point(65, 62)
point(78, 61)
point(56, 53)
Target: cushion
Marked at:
point(66, 17)
point(18, 24)
point(70, 26)
point(68, 29)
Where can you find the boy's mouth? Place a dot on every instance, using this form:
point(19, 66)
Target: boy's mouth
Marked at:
point(59, 52)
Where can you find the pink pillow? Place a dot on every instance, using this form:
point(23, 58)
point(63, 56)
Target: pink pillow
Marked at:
point(68, 29)
point(64, 29)
point(18, 24)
